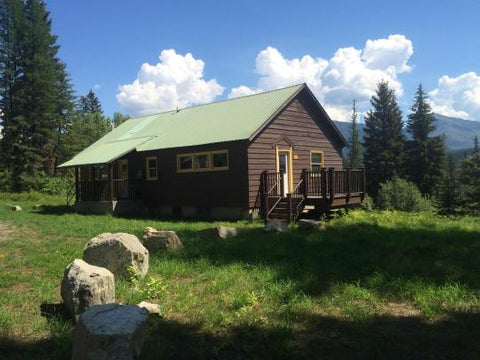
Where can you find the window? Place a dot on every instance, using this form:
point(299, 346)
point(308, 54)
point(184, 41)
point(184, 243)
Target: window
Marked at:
point(220, 160)
point(185, 163)
point(151, 166)
point(204, 161)
point(316, 160)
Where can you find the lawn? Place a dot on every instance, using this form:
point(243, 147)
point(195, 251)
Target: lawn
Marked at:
point(372, 285)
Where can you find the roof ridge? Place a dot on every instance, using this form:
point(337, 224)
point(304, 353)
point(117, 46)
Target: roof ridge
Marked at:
point(217, 102)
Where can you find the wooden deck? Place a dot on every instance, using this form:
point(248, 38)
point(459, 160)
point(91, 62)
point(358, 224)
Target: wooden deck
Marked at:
point(324, 190)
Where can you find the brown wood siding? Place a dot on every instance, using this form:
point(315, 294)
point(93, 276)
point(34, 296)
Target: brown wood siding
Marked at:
point(223, 188)
point(300, 125)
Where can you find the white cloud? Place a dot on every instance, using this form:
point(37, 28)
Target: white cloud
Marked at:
point(457, 96)
point(350, 74)
point(96, 87)
point(176, 80)
point(242, 91)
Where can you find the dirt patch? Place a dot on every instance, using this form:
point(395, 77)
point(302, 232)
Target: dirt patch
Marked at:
point(5, 231)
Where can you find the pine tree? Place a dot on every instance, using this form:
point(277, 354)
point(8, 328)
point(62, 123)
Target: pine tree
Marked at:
point(41, 96)
point(11, 38)
point(383, 139)
point(355, 153)
point(87, 125)
point(470, 178)
point(90, 103)
point(476, 149)
point(449, 195)
point(426, 154)
point(119, 118)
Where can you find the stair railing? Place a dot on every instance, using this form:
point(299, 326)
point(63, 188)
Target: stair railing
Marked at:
point(296, 199)
point(271, 192)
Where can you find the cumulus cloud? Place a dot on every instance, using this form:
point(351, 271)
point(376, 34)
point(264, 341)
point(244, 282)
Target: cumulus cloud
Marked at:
point(457, 96)
point(176, 81)
point(350, 74)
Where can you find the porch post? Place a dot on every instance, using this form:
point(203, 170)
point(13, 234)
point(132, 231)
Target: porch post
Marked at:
point(364, 183)
point(331, 185)
point(77, 185)
point(264, 187)
point(323, 183)
point(110, 178)
point(347, 200)
point(305, 183)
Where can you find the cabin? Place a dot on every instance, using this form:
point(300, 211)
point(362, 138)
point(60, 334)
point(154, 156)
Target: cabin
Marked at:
point(275, 154)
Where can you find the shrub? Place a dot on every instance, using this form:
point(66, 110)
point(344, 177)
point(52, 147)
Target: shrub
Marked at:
point(399, 194)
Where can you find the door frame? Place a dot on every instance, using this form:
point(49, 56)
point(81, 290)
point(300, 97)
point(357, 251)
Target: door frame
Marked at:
point(288, 151)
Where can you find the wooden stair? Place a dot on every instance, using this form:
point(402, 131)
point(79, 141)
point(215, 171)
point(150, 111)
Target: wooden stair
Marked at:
point(280, 211)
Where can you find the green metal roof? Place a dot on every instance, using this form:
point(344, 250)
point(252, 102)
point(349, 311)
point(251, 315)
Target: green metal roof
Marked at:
point(229, 120)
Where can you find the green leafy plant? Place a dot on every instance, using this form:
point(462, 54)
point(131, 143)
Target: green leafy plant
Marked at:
point(400, 194)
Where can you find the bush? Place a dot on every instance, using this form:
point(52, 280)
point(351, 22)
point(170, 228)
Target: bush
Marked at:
point(399, 194)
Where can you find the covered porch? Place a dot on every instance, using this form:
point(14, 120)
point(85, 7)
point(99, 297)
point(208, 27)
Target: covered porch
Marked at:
point(106, 182)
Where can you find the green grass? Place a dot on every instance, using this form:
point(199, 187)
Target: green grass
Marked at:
point(373, 285)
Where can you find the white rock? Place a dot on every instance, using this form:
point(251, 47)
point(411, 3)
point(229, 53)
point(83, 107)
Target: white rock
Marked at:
point(151, 308)
point(117, 252)
point(276, 226)
point(222, 232)
point(16, 208)
point(85, 285)
point(155, 240)
point(110, 331)
point(308, 224)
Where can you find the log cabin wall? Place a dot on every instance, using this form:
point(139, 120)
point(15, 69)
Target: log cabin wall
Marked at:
point(302, 127)
point(200, 190)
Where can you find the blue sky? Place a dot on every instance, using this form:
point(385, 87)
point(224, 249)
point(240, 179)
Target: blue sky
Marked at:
point(340, 48)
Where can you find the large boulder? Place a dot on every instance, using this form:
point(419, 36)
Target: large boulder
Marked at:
point(110, 331)
point(219, 232)
point(276, 226)
point(85, 285)
point(117, 252)
point(155, 240)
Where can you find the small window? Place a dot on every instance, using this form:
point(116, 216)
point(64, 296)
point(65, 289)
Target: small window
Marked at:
point(220, 160)
point(202, 162)
point(185, 162)
point(151, 168)
point(316, 160)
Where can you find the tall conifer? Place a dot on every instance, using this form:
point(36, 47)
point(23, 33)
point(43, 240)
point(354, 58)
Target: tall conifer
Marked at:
point(383, 139)
point(426, 154)
point(355, 154)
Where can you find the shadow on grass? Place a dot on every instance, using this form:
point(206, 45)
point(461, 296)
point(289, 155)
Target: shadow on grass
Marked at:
point(317, 337)
point(57, 346)
point(346, 253)
point(321, 338)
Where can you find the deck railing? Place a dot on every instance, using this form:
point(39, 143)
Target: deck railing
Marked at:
point(325, 184)
point(105, 190)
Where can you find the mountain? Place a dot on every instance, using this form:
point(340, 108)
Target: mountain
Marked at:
point(459, 132)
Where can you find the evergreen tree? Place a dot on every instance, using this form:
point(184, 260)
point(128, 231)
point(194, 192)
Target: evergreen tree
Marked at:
point(426, 154)
point(470, 178)
point(476, 149)
point(355, 154)
point(87, 125)
point(450, 193)
point(41, 93)
point(90, 104)
point(11, 38)
point(119, 118)
point(383, 139)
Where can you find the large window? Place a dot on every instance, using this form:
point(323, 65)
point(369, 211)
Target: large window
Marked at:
point(316, 160)
point(204, 161)
point(151, 168)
